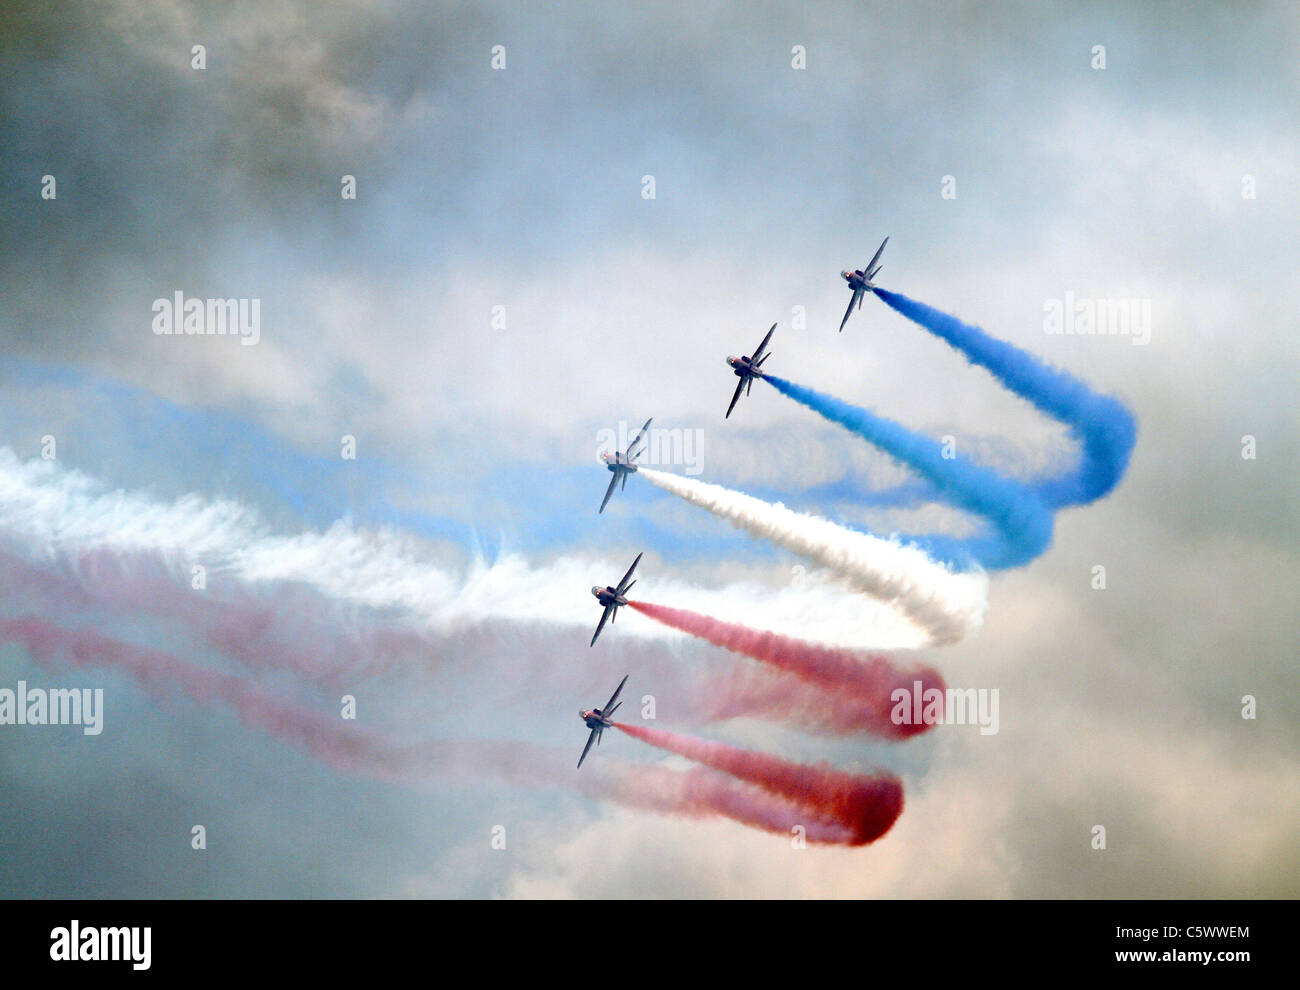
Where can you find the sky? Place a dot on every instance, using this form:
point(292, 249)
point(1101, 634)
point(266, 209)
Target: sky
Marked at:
point(501, 295)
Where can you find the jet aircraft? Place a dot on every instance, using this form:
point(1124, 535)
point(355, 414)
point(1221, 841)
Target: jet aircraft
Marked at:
point(613, 597)
point(860, 282)
point(622, 464)
point(599, 719)
point(747, 368)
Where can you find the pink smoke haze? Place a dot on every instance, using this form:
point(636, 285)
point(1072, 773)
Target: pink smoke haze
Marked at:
point(328, 738)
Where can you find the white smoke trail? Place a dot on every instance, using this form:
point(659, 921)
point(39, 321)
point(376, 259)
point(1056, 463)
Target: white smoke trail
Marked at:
point(944, 603)
point(49, 512)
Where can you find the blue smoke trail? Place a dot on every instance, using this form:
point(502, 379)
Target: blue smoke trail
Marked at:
point(129, 436)
point(1104, 427)
point(123, 430)
point(1022, 523)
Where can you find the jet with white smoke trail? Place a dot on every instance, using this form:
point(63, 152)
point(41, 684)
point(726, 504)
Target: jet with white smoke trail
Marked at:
point(860, 283)
point(145, 550)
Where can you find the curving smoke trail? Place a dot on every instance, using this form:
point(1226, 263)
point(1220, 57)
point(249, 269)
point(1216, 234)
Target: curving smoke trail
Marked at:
point(837, 690)
point(858, 809)
point(944, 604)
point(1021, 521)
point(1105, 428)
point(700, 792)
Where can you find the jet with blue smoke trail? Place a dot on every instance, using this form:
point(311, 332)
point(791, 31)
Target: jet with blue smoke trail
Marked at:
point(860, 281)
point(129, 437)
point(747, 367)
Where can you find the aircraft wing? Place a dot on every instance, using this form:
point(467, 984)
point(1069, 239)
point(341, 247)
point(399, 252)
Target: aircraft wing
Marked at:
point(622, 585)
point(614, 697)
point(587, 748)
point(759, 353)
point(856, 297)
point(875, 258)
point(603, 617)
point(735, 398)
point(608, 492)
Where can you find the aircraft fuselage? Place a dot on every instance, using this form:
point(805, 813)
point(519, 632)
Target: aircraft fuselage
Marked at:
point(608, 596)
point(618, 462)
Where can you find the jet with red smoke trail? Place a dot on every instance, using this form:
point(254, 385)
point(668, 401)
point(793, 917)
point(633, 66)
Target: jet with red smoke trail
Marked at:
point(622, 464)
point(746, 368)
point(613, 597)
point(599, 719)
point(860, 281)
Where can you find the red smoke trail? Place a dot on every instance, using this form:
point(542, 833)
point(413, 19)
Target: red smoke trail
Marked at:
point(696, 793)
point(858, 809)
point(779, 697)
point(300, 631)
point(343, 747)
point(328, 738)
point(703, 793)
point(851, 692)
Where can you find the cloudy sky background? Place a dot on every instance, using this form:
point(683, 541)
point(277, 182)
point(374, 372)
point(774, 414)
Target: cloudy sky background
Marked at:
point(522, 188)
